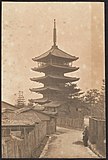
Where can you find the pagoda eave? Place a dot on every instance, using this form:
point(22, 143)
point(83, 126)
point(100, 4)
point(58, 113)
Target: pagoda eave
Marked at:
point(36, 59)
point(45, 90)
point(50, 67)
point(54, 63)
point(53, 104)
point(46, 79)
point(39, 101)
point(55, 52)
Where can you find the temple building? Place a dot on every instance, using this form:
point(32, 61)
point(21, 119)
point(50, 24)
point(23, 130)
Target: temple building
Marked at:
point(54, 64)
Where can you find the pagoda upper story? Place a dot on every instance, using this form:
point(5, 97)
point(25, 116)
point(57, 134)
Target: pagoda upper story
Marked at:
point(54, 63)
point(55, 59)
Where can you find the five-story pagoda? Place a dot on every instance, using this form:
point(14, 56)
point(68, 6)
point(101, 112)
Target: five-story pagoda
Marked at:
point(54, 63)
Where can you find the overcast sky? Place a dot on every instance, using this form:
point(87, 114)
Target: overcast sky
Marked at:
point(27, 31)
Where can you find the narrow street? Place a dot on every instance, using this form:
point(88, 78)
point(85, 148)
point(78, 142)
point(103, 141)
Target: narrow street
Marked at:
point(67, 143)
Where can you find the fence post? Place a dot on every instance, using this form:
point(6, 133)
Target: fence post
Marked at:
point(100, 137)
point(91, 130)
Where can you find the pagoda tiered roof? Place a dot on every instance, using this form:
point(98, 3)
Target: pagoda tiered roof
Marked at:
point(40, 101)
point(53, 104)
point(49, 67)
point(54, 78)
point(54, 63)
point(46, 89)
point(55, 51)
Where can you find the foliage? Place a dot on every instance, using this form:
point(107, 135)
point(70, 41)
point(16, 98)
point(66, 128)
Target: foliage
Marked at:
point(102, 94)
point(72, 91)
point(101, 102)
point(92, 96)
point(73, 95)
point(95, 99)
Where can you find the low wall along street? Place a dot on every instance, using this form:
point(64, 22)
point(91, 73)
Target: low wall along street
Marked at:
point(97, 134)
point(68, 122)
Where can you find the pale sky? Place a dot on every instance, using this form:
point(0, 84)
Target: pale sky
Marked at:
point(27, 31)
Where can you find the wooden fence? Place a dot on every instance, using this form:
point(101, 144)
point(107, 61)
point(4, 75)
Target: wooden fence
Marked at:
point(97, 134)
point(67, 122)
point(14, 147)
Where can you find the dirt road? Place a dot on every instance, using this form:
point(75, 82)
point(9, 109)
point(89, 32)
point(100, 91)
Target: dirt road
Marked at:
point(67, 143)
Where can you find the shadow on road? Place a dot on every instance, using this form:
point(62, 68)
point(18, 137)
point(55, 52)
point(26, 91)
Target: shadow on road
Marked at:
point(53, 139)
point(78, 143)
point(60, 132)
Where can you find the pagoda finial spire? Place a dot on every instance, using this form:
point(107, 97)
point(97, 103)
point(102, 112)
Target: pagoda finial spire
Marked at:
point(54, 33)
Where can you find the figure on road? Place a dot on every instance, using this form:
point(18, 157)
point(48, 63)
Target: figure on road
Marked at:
point(85, 136)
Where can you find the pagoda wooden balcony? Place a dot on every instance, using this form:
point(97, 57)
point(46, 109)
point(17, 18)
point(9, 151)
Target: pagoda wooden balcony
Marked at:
point(43, 64)
point(43, 67)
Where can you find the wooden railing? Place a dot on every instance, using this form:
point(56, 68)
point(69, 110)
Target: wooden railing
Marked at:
point(43, 64)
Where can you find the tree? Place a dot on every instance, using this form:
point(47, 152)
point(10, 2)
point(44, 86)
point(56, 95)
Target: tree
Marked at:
point(91, 98)
point(95, 100)
point(101, 102)
point(73, 94)
point(102, 94)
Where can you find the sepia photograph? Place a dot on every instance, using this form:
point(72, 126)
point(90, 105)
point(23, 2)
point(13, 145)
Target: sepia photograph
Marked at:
point(53, 80)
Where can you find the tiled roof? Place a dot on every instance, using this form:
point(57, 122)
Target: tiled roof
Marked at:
point(44, 89)
point(55, 51)
point(18, 123)
point(64, 78)
point(48, 113)
point(55, 66)
point(28, 115)
point(35, 115)
point(23, 109)
point(40, 108)
point(52, 114)
point(41, 100)
point(6, 110)
point(53, 104)
point(7, 105)
point(25, 116)
point(42, 116)
point(21, 118)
